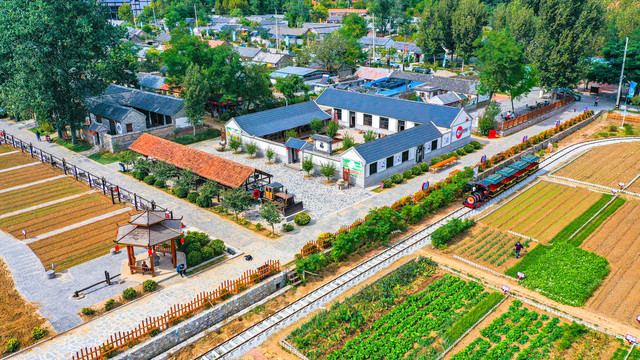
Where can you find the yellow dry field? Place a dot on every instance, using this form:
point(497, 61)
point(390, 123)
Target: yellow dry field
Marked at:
point(17, 316)
point(39, 194)
point(542, 210)
point(57, 216)
point(12, 160)
point(6, 149)
point(606, 165)
point(79, 245)
point(27, 175)
point(618, 241)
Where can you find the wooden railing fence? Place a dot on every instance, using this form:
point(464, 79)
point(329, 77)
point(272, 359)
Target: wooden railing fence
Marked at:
point(117, 193)
point(323, 242)
point(533, 114)
point(152, 326)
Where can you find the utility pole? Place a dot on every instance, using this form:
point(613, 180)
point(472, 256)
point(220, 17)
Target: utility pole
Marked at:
point(155, 21)
point(135, 24)
point(195, 11)
point(277, 37)
point(373, 56)
point(624, 58)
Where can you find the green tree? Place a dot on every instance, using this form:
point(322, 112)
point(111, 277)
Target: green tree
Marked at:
point(328, 170)
point(291, 134)
point(163, 171)
point(501, 63)
point(383, 10)
point(435, 30)
point(565, 39)
point(128, 158)
point(468, 20)
point(487, 121)
point(151, 62)
point(270, 154)
point(316, 125)
point(307, 165)
point(125, 13)
point(608, 71)
point(235, 143)
point(370, 135)
point(53, 75)
point(257, 92)
point(298, 12)
point(195, 92)
point(518, 20)
point(319, 13)
point(291, 85)
point(331, 129)
point(353, 25)
point(270, 215)
point(336, 51)
point(237, 200)
point(210, 189)
point(187, 179)
point(251, 148)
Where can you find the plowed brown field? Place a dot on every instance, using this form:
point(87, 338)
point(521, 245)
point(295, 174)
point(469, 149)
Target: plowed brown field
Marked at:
point(27, 175)
point(543, 210)
point(606, 165)
point(6, 149)
point(79, 245)
point(39, 194)
point(11, 160)
point(57, 216)
point(618, 240)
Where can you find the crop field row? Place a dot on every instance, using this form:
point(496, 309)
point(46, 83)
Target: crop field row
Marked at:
point(39, 194)
point(26, 175)
point(79, 245)
point(490, 247)
point(543, 210)
point(606, 165)
point(523, 334)
point(12, 160)
point(57, 216)
point(5, 149)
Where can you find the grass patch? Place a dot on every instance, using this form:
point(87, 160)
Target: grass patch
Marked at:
point(210, 133)
point(562, 272)
point(79, 147)
point(104, 157)
point(593, 225)
point(568, 230)
point(464, 323)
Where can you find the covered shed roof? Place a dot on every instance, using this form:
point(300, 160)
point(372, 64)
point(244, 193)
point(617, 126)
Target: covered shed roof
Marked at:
point(108, 110)
point(519, 165)
point(396, 143)
point(491, 180)
point(294, 143)
point(280, 119)
point(145, 100)
point(507, 172)
point(530, 158)
point(247, 52)
point(226, 172)
point(419, 112)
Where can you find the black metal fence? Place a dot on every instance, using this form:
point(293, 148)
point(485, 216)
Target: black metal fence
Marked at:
point(117, 193)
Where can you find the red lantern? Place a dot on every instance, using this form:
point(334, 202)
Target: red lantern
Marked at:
point(297, 150)
point(150, 252)
point(117, 248)
point(182, 225)
point(287, 148)
point(182, 241)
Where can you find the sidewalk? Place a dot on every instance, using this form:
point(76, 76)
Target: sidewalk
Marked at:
point(179, 290)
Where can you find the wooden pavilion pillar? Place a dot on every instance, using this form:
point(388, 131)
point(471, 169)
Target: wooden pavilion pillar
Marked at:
point(173, 252)
point(153, 267)
point(132, 257)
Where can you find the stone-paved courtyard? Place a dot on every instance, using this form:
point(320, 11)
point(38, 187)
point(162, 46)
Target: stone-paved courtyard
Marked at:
point(319, 199)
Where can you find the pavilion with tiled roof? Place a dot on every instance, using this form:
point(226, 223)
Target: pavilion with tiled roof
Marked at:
point(225, 172)
point(150, 230)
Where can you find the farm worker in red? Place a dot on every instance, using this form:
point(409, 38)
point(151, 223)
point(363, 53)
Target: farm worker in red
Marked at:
point(518, 247)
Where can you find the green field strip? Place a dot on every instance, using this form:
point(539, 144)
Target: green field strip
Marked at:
point(484, 243)
point(485, 249)
point(595, 223)
point(573, 226)
point(533, 193)
point(472, 317)
point(505, 242)
point(549, 231)
point(6, 149)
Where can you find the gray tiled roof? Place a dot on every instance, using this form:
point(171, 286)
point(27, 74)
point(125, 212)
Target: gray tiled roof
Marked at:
point(448, 98)
point(415, 111)
point(163, 37)
point(280, 119)
point(149, 80)
point(298, 144)
point(149, 101)
point(368, 41)
point(400, 46)
point(404, 140)
point(108, 110)
point(432, 81)
point(247, 52)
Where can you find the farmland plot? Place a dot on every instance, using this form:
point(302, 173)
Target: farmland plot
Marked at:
point(490, 247)
point(39, 194)
point(57, 216)
point(618, 240)
point(521, 333)
point(543, 210)
point(6, 149)
point(606, 165)
point(12, 160)
point(27, 175)
point(79, 245)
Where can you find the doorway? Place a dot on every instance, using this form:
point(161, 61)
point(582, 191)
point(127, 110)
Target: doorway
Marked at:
point(352, 119)
point(420, 154)
point(294, 155)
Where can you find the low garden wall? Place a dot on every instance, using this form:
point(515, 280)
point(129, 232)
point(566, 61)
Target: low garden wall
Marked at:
point(201, 322)
point(539, 146)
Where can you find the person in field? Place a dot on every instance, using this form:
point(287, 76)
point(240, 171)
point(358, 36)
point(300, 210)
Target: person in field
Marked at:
point(518, 247)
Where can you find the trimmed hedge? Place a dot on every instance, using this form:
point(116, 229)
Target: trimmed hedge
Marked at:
point(88, 311)
point(160, 184)
point(149, 285)
point(407, 175)
point(387, 183)
point(149, 179)
point(468, 148)
point(207, 253)
point(180, 192)
point(218, 246)
point(194, 258)
point(139, 175)
point(416, 170)
point(424, 166)
point(435, 160)
point(192, 197)
point(302, 219)
point(12, 345)
point(469, 319)
point(129, 294)
point(38, 333)
point(476, 144)
point(203, 201)
point(445, 233)
point(396, 178)
point(461, 152)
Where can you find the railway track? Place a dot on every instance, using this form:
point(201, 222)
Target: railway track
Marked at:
point(258, 333)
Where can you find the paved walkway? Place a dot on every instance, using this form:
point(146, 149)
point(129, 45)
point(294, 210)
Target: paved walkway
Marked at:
point(32, 184)
point(180, 290)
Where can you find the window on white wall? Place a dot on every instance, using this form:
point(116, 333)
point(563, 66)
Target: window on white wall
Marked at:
point(367, 120)
point(373, 168)
point(384, 123)
point(389, 162)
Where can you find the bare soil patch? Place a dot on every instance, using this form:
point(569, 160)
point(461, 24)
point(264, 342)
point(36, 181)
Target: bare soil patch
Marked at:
point(12, 160)
point(57, 216)
point(606, 165)
point(6, 149)
point(543, 210)
point(39, 194)
point(26, 175)
point(79, 245)
point(618, 240)
point(18, 317)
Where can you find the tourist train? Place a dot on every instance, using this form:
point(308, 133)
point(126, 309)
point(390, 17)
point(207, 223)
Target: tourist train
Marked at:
point(486, 189)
